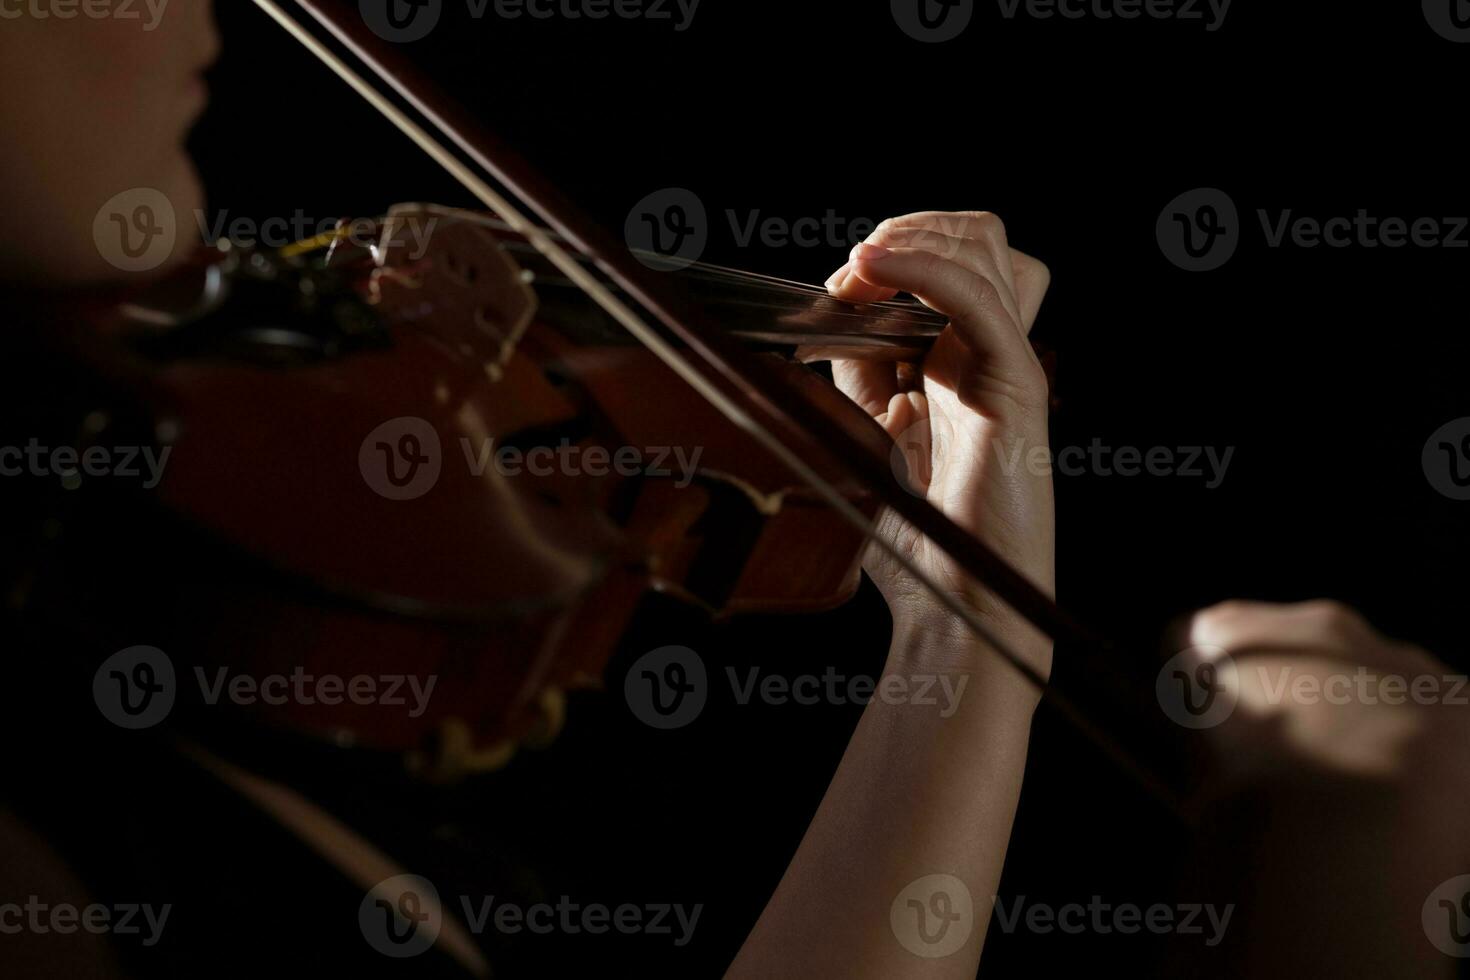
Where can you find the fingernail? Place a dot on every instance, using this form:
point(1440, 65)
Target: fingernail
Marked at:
point(835, 281)
point(869, 253)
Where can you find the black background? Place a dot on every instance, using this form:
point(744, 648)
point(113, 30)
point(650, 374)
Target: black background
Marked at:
point(1325, 369)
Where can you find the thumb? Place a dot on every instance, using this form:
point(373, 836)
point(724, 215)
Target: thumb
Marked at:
point(907, 424)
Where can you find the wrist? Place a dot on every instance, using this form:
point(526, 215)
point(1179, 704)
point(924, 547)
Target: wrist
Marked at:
point(937, 640)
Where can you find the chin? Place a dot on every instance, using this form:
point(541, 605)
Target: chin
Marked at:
point(185, 192)
point(138, 234)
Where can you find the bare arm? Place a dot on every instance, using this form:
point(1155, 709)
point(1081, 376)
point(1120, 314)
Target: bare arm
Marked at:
point(896, 874)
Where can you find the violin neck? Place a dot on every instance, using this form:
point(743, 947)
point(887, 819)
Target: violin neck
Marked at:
point(765, 311)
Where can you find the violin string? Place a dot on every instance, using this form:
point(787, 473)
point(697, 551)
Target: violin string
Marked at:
point(709, 272)
point(777, 304)
point(675, 360)
point(659, 258)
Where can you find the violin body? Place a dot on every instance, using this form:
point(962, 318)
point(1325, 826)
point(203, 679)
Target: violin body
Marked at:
point(443, 482)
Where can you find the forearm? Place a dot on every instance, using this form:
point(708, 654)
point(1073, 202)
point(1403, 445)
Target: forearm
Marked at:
point(923, 789)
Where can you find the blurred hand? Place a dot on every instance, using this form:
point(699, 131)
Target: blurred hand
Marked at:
point(1336, 815)
point(1319, 692)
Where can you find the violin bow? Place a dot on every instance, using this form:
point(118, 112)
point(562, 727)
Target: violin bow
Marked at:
point(737, 383)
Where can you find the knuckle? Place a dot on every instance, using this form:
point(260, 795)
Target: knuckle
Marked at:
point(1038, 272)
point(978, 292)
point(897, 225)
point(987, 225)
point(1218, 623)
point(1335, 618)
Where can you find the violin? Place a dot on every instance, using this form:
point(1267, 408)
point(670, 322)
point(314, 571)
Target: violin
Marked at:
point(440, 451)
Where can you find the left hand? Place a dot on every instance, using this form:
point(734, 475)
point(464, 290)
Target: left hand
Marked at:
point(978, 412)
